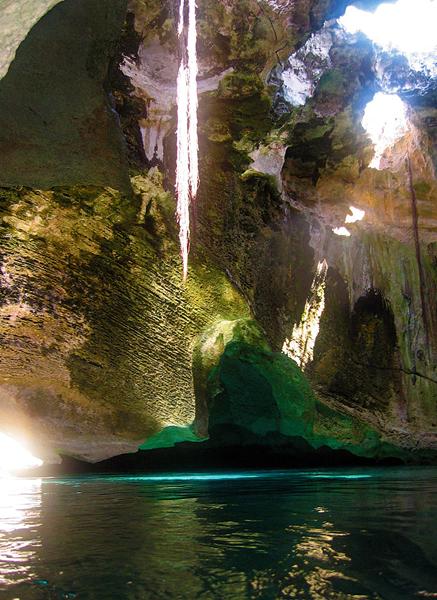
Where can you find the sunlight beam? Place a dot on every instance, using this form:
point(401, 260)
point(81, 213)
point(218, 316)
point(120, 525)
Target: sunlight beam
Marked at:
point(14, 456)
point(386, 121)
point(300, 347)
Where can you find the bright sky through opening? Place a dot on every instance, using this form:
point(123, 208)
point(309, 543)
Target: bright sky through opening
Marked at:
point(341, 231)
point(386, 121)
point(14, 457)
point(408, 26)
point(357, 215)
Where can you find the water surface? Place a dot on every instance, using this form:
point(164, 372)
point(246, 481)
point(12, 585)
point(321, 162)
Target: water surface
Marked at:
point(342, 534)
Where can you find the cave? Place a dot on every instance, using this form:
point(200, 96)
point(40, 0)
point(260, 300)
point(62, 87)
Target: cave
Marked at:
point(218, 299)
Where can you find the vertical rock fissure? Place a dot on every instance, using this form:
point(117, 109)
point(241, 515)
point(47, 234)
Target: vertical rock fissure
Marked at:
point(422, 282)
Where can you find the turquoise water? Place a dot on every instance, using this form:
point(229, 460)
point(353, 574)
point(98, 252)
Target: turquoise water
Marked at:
point(343, 534)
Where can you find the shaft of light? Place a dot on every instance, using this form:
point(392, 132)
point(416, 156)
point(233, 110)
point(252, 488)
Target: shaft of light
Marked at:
point(192, 99)
point(14, 456)
point(187, 168)
point(183, 168)
point(300, 347)
point(181, 18)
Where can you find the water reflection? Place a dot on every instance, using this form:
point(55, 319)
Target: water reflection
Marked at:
point(20, 518)
point(343, 536)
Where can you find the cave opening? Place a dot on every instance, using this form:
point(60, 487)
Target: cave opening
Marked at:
point(399, 27)
point(386, 122)
point(14, 456)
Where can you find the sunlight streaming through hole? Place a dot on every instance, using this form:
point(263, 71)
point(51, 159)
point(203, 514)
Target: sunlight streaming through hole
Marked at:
point(357, 215)
point(187, 167)
point(300, 347)
point(341, 231)
point(405, 26)
point(386, 121)
point(14, 457)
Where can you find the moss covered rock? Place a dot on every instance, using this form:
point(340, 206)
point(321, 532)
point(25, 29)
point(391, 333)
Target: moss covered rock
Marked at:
point(260, 397)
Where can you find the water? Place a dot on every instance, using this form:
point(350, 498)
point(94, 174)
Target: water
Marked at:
point(343, 534)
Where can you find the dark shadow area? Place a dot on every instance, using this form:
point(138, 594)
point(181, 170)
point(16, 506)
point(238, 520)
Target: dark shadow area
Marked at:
point(370, 375)
point(207, 456)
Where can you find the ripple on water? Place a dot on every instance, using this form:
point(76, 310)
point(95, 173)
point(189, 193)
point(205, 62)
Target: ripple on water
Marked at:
point(344, 534)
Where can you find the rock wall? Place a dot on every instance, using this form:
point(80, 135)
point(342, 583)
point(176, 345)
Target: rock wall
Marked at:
point(57, 125)
point(97, 328)
point(100, 337)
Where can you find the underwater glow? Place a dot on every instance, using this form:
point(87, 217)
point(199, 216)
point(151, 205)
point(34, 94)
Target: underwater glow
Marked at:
point(196, 477)
point(187, 169)
point(357, 215)
point(386, 121)
point(209, 476)
point(331, 476)
point(405, 26)
point(301, 345)
point(341, 231)
point(13, 456)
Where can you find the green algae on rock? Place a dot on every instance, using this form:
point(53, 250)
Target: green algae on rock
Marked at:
point(268, 400)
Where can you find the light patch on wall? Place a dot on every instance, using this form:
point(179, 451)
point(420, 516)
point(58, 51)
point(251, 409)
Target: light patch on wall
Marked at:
point(305, 67)
point(300, 347)
point(14, 457)
point(405, 26)
point(342, 231)
point(357, 215)
point(386, 121)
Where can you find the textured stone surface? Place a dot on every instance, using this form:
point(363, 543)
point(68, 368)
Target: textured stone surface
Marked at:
point(325, 172)
point(269, 245)
point(262, 397)
point(97, 328)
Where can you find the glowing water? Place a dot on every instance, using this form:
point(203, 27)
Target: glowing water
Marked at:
point(314, 534)
point(187, 169)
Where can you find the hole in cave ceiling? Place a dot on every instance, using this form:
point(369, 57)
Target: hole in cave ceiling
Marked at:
point(357, 215)
point(342, 231)
point(407, 27)
point(386, 122)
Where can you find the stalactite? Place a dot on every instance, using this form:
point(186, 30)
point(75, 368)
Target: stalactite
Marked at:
point(187, 169)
